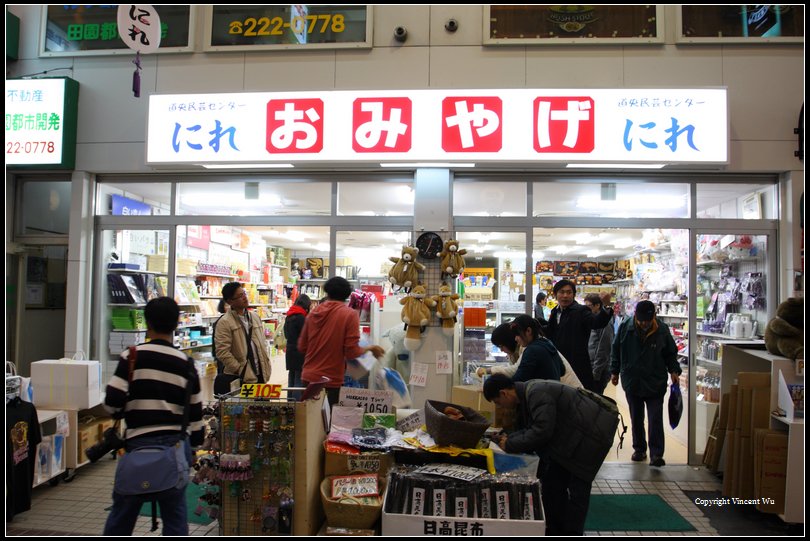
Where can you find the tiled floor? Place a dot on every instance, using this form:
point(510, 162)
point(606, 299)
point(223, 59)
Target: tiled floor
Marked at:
point(79, 507)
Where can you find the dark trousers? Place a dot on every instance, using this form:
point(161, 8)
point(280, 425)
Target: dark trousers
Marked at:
point(655, 422)
point(294, 380)
point(172, 502)
point(565, 499)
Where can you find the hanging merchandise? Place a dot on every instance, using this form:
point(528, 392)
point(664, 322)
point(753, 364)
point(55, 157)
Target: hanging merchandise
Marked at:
point(256, 467)
point(139, 29)
point(446, 308)
point(452, 263)
point(405, 272)
point(415, 314)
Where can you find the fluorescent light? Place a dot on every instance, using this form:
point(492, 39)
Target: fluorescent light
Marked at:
point(616, 165)
point(631, 201)
point(426, 164)
point(247, 165)
point(227, 200)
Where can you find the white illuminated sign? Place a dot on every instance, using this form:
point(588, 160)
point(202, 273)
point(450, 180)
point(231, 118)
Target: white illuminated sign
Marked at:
point(526, 125)
point(34, 121)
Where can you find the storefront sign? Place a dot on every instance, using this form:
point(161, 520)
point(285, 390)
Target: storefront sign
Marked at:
point(370, 401)
point(300, 26)
point(526, 125)
point(124, 206)
point(41, 118)
point(72, 30)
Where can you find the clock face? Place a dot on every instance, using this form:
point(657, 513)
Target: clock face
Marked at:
point(429, 245)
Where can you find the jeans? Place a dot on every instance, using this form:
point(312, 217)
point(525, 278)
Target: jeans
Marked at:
point(294, 380)
point(565, 498)
point(172, 502)
point(655, 422)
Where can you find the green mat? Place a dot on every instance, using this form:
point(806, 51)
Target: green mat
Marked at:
point(633, 513)
point(193, 493)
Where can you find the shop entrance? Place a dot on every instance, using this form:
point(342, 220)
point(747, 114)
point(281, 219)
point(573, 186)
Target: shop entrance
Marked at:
point(631, 265)
point(36, 305)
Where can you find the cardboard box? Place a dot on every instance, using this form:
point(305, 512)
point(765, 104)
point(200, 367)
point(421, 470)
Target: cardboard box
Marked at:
point(340, 464)
point(473, 397)
point(66, 384)
point(87, 436)
point(771, 470)
point(396, 524)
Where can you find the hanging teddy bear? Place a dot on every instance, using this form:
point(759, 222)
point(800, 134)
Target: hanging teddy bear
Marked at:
point(405, 271)
point(446, 308)
point(415, 314)
point(452, 261)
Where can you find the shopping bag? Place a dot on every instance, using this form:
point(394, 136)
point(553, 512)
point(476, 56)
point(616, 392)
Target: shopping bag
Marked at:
point(675, 405)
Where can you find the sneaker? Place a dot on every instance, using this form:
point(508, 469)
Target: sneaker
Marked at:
point(657, 462)
point(638, 456)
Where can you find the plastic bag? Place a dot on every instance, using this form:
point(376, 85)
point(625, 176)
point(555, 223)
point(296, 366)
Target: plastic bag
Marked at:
point(675, 405)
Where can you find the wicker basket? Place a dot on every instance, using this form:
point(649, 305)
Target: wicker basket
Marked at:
point(348, 512)
point(446, 431)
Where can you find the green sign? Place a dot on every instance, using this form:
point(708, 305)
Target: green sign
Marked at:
point(290, 26)
point(93, 29)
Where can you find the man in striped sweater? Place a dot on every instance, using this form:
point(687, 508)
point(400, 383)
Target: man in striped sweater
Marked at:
point(152, 404)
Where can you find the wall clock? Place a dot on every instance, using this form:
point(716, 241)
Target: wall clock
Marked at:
point(429, 245)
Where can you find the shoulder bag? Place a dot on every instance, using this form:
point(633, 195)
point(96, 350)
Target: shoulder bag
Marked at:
point(155, 468)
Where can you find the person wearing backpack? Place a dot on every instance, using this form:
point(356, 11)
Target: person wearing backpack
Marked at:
point(294, 359)
point(572, 430)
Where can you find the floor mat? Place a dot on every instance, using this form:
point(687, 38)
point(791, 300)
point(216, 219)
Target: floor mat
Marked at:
point(742, 520)
point(193, 493)
point(633, 512)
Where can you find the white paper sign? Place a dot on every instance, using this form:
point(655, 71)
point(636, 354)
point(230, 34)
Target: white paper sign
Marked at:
point(443, 363)
point(456, 471)
point(412, 421)
point(355, 485)
point(419, 374)
point(370, 401)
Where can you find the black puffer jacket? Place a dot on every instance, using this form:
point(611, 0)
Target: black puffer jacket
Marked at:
point(573, 427)
point(571, 334)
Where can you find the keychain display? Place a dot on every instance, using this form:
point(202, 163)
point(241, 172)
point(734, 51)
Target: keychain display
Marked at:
point(257, 440)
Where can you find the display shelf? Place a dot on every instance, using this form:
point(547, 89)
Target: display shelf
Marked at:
point(210, 296)
point(195, 347)
point(216, 275)
point(727, 262)
point(677, 316)
point(135, 271)
point(789, 422)
point(311, 280)
point(125, 304)
point(711, 362)
point(622, 281)
point(670, 300)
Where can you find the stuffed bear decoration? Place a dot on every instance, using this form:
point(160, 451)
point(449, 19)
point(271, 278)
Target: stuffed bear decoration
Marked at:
point(415, 314)
point(405, 271)
point(452, 261)
point(784, 334)
point(446, 308)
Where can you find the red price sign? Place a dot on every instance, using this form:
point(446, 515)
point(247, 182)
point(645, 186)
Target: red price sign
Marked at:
point(260, 390)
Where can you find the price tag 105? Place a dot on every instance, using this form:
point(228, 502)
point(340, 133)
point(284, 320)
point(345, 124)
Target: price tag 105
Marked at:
point(260, 390)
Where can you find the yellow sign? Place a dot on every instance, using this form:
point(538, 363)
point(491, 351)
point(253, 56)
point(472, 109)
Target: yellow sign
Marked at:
point(260, 390)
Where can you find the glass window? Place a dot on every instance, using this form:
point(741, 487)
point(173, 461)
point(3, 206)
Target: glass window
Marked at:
point(362, 258)
point(375, 199)
point(254, 198)
point(472, 198)
point(612, 199)
point(571, 24)
point(141, 198)
point(748, 23)
point(738, 201)
point(45, 208)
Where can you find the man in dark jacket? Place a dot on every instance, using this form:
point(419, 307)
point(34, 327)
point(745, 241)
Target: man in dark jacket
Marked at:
point(643, 353)
point(293, 358)
point(569, 328)
point(571, 429)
